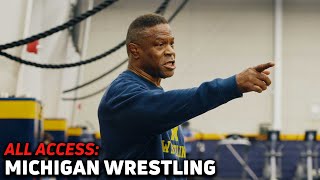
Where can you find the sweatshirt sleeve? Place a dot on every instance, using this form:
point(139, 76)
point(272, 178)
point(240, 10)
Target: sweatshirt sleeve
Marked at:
point(156, 111)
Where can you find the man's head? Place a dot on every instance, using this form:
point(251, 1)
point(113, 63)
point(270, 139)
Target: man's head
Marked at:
point(150, 46)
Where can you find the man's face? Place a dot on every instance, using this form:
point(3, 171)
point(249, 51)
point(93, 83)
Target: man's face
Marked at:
point(157, 54)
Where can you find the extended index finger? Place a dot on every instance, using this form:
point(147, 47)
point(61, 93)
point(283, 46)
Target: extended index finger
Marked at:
point(262, 67)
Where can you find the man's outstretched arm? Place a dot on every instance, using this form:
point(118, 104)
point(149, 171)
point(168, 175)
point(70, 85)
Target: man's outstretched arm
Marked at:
point(155, 111)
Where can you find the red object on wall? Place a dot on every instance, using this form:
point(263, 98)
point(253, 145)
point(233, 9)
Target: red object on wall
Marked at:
point(79, 106)
point(33, 47)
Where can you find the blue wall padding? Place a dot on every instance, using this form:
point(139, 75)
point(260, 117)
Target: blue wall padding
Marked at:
point(228, 167)
point(58, 136)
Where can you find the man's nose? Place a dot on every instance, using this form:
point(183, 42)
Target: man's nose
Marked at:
point(170, 51)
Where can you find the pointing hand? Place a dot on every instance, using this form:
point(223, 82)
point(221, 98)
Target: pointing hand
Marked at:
point(254, 79)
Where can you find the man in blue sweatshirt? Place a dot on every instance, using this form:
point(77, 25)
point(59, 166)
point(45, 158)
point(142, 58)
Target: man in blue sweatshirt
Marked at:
point(138, 119)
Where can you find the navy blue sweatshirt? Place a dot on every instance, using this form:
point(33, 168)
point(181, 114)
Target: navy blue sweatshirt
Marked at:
point(139, 120)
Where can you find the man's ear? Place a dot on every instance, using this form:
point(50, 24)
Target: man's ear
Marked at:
point(133, 49)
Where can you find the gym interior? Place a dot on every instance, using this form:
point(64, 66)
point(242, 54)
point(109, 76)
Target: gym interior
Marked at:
point(58, 57)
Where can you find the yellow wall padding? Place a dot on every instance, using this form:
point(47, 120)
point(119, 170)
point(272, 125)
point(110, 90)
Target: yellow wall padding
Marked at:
point(74, 131)
point(55, 125)
point(19, 109)
point(97, 135)
point(283, 137)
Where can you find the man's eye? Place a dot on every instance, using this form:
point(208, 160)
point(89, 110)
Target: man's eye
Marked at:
point(160, 44)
